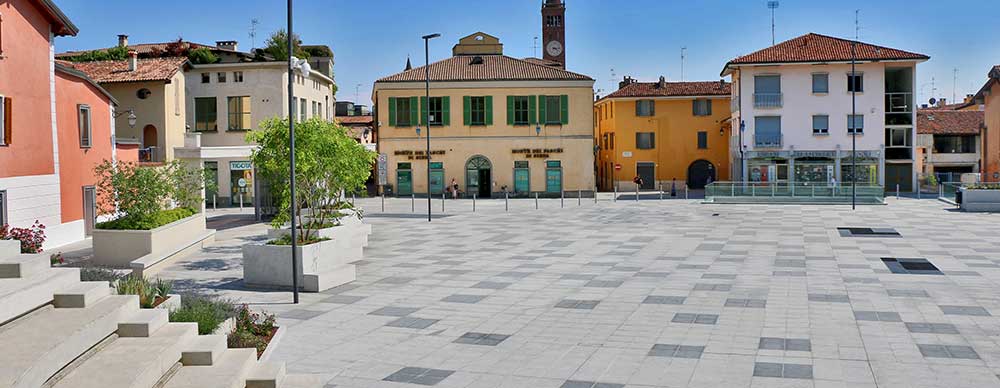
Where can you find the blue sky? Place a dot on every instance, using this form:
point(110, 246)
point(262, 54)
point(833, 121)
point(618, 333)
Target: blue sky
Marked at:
point(641, 38)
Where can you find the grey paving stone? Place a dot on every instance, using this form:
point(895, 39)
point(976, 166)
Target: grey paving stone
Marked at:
point(577, 304)
point(797, 371)
point(396, 280)
point(964, 310)
point(963, 352)
point(485, 339)
point(767, 369)
point(514, 274)
point(412, 323)
point(676, 351)
point(692, 266)
point(301, 314)
point(789, 273)
point(770, 343)
point(343, 299)
point(463, 298)
point(907, 293)
point(790, 263)
point(931, 328)
point(453, 272)
point(702, 319)
point(622, 268)
point(604, 283)
point(651, 274)
point(392, 311)
point(832, 298)
point(712, 287)
point(861, 280)
point(800, 345)
point(419, 376)
point(578, 277)
point(491, 285)
point(664, 299)
point(718, 276)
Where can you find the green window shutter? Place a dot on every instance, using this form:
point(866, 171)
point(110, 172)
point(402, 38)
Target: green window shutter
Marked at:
point(510, 110)
point(446, 110)
point(413, 110)
point(392, 111)
point(532, 110)
point(541, 109)
point(423, 111)
point(466, 110)
point(564, 109)
point(489, 109)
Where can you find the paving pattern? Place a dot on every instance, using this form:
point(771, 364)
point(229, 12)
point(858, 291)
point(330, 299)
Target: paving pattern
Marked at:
point(648, 294)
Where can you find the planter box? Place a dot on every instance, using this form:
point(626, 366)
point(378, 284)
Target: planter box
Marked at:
point(273, 344)
point(173, 302)
point(118, 248)
point(348, 239)
point(980, 200)
point(321, 266)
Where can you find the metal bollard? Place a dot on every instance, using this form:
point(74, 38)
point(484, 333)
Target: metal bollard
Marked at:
point(595, 195)
point(940, 191)
point(352, 199)
point(637, 193)
point(579, 197)
point(215, 202)
point(473, 202)
point(685, 192)
point(413, 202)
point(383, 202)
point(661, 191)
point(562, 198)
point(918, 191)
point(442, 202)
point(506, 206)
point(897, 191)
point(241, 202)
point(615, 198)
point(536, 201)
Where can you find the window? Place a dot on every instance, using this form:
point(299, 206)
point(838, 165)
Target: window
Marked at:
point(521, 110)
point(205, 113)
point(767, 131)
point(553, 109)
point(237, 76)
point(239, 113)
point(855, 83)
point(477, 110)
point(400, 111)
point(645, 140)
point(5, 121)
point(221, 76)
point(205, 78)
point(302, 111)
point(952, 144)
point(701, 107)
point(612, 140)
point(319, 109)
point(553, 20)
point(702, 140)
point(855, 123)
point(821, 124)
point(821, 83)
point(3, 207)
point(436, 110)
point(767, 84)
point(900, 137)
point(553, 176)
point(83, 112)
point(645, 108)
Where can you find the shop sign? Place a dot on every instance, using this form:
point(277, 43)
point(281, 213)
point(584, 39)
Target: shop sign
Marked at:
point(240, 165)
point(414, 155)
point(383, 169)
point(536, 152)
point(626, 154)
point(815, 154)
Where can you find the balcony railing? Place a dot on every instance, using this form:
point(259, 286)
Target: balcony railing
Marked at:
point(767, 100)
point(767, 140)
point(797, 192)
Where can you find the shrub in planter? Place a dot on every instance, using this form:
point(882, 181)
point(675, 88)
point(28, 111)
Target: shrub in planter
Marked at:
point(146, 197)
point(151, 293)
point(31, 238)
point(252, 330)
point(94, 274)
point(208, 312)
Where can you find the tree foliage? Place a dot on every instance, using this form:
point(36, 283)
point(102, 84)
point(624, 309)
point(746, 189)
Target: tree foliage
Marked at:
point(277, 46)
point(127, 190)
point(112, 54)
point(328, 163)
point(201, 56)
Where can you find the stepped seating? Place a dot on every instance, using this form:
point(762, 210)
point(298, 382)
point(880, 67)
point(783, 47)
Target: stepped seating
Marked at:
point(58, 331)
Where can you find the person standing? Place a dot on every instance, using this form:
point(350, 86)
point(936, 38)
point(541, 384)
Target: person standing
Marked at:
point(453, 186)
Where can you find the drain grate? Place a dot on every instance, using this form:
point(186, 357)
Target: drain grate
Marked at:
point(911, 266)
point(867, 232)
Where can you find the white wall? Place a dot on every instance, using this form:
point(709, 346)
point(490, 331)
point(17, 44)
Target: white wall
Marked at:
point(800, 104)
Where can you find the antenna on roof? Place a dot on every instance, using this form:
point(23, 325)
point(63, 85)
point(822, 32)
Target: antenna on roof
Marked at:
point(612, 79)
point(534, 47)
point(954, 83)
point(857, 26)
point(682, 62)
point(772, 5)
point(253, 33)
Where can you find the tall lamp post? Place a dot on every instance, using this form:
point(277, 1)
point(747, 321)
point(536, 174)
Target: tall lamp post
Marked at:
point(302, 66)
point(854, 131)
point(427, 113)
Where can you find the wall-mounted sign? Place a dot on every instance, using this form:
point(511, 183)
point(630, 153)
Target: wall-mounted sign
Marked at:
point(240, 165)
point(536, 152)
point(411, 155)
point(383, 169)
point(626, 154)
point(618, 166)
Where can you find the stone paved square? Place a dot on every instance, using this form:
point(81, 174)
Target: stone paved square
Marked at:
point(653, 294)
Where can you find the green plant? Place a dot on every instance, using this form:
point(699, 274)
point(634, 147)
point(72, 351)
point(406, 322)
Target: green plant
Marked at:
point(152, 221)
point(112, 54)
point(277, 46)
point(328, 162)
point(138, 195)
point(984, 186)
point(149, 292)
point(252, 330)
point(163, 288)
point(286, 239)
point(207, 311)
point(31, 238)
point(201, 56)
point(56, 259)
point(95, 274)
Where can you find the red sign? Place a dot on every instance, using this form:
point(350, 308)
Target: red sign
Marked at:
point(618, 166)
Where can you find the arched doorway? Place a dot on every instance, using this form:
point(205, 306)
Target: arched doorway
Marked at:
point(149, 138)
point(478, 176)
point(699, 173)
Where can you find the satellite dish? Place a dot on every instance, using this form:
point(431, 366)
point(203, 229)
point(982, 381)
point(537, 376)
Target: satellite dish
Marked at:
point(932, 101)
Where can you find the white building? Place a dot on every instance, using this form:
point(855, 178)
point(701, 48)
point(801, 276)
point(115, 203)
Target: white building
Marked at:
point(226, 100)
point(791, 112)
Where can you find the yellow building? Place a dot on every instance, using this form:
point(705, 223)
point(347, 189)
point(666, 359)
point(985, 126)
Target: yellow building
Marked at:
point(497, 124)
point(667, 133)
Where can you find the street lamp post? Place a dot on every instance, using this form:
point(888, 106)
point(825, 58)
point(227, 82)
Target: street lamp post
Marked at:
point(427, 113)
point(854, 132)
point(302, 66)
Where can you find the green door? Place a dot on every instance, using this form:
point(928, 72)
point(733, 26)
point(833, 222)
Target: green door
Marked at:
point(522, 184)
point(553, 176)
point(404, 179)
point(437, 178)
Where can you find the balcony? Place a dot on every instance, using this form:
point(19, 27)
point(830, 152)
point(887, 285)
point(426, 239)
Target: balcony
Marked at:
point(767, 100)
point(767, 140)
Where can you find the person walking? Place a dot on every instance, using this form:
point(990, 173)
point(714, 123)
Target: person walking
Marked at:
point(453, 186)
point(673, 187)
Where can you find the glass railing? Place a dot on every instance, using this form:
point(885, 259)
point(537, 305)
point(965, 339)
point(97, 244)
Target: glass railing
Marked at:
point(767, 140)
point(767, 100)
point(804, 192)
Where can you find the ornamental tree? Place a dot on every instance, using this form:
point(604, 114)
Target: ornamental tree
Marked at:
point(128, 189)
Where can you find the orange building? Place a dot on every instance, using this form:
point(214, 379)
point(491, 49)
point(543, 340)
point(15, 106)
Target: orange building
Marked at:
point(54, 126)
point(667, 133)
point(989, 96)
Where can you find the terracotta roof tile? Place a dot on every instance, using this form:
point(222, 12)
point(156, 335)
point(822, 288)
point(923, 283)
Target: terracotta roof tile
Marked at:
point(148, 69)
point(366, 119)
point(821, 48)
point(949, 122)
point(493, 68)
point(673, 89)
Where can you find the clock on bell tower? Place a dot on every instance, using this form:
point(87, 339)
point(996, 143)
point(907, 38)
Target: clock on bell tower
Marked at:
point(554, 31)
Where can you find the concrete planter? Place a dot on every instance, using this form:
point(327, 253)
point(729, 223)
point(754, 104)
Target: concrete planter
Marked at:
point(275, 339)
point(321, 266)
point(349, 239)
point(118, 248)
point(980, 200)
point(172, 303)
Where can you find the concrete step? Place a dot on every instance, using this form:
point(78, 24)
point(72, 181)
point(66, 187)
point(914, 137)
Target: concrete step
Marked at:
point(20, 266)
point(81, 295)
point(39, 344)
point(21, 295)
point(229, 371)
point(267, 375)
point(143, 323)
point(9, 248)
point(137, 362)
point(204, 350)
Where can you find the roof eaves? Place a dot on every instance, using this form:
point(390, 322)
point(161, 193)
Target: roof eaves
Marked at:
point(81, 75)
point(67, 26)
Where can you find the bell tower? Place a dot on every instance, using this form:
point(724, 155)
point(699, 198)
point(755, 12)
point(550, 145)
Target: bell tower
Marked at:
point(554, 31)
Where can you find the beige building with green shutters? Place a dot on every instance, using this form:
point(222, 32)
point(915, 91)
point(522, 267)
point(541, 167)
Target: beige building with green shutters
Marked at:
point(497, 124)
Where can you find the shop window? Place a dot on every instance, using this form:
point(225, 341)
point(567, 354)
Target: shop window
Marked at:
point(205, 114)
point(821, 124)
point(83, 117)
point(645, 140)
point(645, 108)
point(521, 177)
point(5, 120)
point(239, 113)
point(553, 176)
point(3, 207)
point(702, 140)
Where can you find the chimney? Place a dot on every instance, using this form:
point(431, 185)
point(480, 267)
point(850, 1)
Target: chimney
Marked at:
point(122, 40)
point(722, 84)
point(968, 98)
point(133, 60)
point(942, 102)
point(662, 83)
point(626, 80)
point(227, 44)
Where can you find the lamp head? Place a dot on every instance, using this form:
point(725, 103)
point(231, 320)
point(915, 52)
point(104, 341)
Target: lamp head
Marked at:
point(418, 131)
point(131, 118)
point(538, 130)
point(431, 36)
